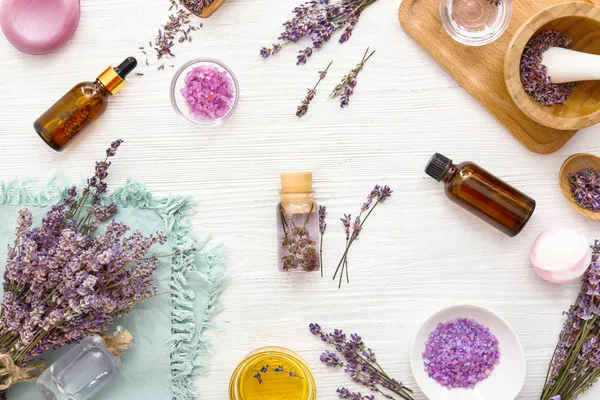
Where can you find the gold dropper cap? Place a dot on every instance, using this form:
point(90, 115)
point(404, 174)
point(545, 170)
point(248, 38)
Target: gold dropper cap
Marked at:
point(111, 80)
point(296, 182)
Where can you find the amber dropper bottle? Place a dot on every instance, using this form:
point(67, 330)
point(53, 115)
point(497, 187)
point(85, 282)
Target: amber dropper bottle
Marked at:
point(81, 105)
point(483, 194)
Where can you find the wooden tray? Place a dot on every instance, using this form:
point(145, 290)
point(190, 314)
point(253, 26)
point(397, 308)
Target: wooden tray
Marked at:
point(480, 70)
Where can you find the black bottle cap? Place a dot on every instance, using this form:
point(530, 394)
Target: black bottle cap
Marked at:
point(126, 67)
point(438, 166)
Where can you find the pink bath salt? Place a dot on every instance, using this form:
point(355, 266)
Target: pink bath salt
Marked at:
point(208, 92)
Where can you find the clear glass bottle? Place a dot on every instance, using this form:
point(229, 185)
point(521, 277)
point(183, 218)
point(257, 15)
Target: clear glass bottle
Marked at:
point(483, 194)
point(298, 224)
point(82, 372)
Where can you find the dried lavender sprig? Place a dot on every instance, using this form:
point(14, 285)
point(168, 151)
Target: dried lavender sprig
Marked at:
point(360, 363)
point(303, 108)
point(379, 194)
point(345, 88)
point(318, 20)
point(322, 229)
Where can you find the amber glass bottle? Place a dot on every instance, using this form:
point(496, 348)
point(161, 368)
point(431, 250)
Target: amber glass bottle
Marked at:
point(81, 105)
point(483, 194)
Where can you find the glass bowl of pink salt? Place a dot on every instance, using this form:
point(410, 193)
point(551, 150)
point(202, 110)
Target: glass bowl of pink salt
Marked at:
point(204, 91)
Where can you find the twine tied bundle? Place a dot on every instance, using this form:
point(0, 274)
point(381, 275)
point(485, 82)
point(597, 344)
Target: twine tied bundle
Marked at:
point(11, 373)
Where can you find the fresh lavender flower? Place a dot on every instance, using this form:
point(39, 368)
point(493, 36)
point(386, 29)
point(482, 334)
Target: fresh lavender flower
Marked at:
point(360, 363)
point(345, 88)
point(317, 20)
point(534, 75)
point(377, 196)
point(64, 281)
point(575, 365)
point(585, 186)
point(303, 108)
point(344, 393)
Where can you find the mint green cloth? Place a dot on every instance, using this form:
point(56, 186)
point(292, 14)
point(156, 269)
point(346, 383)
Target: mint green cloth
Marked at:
point(171, 345)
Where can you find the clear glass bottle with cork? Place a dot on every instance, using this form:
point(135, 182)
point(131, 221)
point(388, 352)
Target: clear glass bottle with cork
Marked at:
point(483, 194)
point(81, 105)
point(298, 224)
point(86, 368)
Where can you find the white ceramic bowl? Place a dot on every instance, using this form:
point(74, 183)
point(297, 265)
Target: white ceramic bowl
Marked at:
point(507, 378)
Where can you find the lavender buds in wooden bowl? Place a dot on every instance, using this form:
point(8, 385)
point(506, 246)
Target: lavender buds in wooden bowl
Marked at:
point(575, 109)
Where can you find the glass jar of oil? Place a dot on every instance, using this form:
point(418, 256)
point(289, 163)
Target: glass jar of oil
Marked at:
point(272, 373)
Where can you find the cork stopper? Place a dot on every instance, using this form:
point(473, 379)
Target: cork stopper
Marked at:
point(296, 182)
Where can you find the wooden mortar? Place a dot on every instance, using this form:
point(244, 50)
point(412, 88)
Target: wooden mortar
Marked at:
point(581, 22)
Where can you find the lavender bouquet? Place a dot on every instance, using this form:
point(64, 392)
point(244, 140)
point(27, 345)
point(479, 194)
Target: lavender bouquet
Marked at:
point(318, 20)
point(64, 280)
point(575, 365)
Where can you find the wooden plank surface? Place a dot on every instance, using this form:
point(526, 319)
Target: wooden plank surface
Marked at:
point(480, 70)
point(417, 254)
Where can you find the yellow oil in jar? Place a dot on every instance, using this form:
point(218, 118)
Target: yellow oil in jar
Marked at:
point(272, 374)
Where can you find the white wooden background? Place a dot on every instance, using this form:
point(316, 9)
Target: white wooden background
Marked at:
point(418, 253)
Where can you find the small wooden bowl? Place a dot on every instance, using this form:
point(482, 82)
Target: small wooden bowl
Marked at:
point(210, 10)
point(581, 21)
point(576, 163)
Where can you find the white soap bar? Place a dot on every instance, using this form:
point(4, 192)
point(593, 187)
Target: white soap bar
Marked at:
point(560, 255)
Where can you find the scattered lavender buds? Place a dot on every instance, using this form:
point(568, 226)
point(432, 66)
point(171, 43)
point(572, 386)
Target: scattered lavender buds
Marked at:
point(378, 195)
point(460, 353)
point(534, 74)
point(303, 108)
point(318, 20)
point(360, 363)
point(575, 365)
point(178, 28)
point(345, 88)
point(585, 186)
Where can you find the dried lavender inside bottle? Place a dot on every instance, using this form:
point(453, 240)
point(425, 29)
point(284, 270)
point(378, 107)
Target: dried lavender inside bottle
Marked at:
point(298, 224)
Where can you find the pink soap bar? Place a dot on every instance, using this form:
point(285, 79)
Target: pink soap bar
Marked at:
point(39, 26)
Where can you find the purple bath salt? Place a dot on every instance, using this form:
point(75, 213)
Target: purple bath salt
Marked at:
point(460, 353)
point(208, 92)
